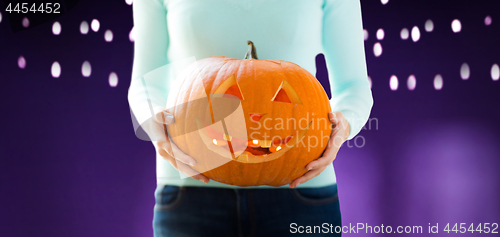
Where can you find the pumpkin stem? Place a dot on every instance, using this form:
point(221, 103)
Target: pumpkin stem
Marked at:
point(252, 52)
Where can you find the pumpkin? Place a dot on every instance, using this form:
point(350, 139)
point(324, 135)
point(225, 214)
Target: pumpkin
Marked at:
point(250, 122)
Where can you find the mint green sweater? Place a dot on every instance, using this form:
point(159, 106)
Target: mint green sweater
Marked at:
point(176, 32)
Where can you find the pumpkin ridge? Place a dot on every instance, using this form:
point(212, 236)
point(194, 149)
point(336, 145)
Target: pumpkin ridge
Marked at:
point(253, 91)
point(177, 108)
point(180, 88)
point(206, 165)
point(293, 112)
point(282, 161)
point(209, 89)
point(219, 76)
point(203, 69)
point(234, 172)
point(189, 96)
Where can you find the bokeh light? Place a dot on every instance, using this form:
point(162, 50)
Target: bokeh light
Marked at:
point(131, 35)
point(84, 27)
point(456, 26)
point(412, 82)
point(488, 20)
point(394, 83)
point(56, 28)
point(21, 62)
point(405, 33)
point(55, 69)
point(415, 34)
point(113, 79)
point(429, 25)
point(86, 69)
point(438, 82)
point(108, 36)
point(26, 22)
point(0, 16)
point(465, 71)
point(128, 2)
point(95, 25)
point(384, 2)
point(380, 34)
point(377, 49)
point(495, 72)
point(365, 34)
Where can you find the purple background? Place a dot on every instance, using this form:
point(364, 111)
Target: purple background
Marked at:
point(71, 166)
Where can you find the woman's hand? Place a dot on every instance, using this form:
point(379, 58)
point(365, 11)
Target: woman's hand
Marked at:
point(340, 132)
point(170, 152)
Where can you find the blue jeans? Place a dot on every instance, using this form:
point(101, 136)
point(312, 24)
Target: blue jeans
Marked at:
point(196, 211)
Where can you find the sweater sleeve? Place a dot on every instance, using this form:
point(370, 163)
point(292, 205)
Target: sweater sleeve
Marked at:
point(149, 85)
point(344, 52)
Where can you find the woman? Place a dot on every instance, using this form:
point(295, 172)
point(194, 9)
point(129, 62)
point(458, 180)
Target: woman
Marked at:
point(167, 31)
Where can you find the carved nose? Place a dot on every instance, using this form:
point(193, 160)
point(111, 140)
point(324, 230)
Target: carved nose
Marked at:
point(256, 117)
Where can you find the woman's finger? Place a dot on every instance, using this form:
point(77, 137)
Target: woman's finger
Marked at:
point(163, 152)
point(334, 143)
point(306, 177)
point(180, 155)
point(185, 169)
point(332, 149)
point(333, 118)
point(192, 173)
point(320, 162)
point(175, 152)
point(165, 145)
point(164, 117)
point(171, 150)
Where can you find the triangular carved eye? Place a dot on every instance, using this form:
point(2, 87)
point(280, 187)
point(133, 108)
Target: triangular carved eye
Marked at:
point(286, 94)
point(230, 87)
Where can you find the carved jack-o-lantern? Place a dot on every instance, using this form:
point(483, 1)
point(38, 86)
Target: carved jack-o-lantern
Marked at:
point(262, 121)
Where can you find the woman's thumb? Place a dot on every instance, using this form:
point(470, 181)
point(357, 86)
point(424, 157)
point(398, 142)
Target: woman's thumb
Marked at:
point(164, 117)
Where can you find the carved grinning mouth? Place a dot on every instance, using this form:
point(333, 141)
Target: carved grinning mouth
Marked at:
point(254, 147)
point(248, 151)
